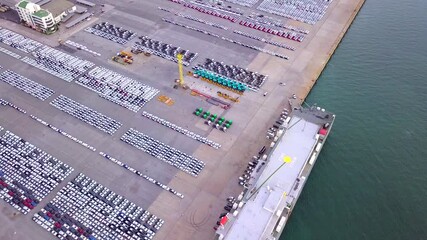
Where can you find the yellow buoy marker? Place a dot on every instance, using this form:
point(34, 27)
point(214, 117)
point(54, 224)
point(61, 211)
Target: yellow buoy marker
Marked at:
point(287, 159)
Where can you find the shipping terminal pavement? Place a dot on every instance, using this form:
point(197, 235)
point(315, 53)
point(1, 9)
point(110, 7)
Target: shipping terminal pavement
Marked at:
point(194, 216)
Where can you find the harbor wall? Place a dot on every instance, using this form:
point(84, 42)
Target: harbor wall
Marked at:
point(335, 45)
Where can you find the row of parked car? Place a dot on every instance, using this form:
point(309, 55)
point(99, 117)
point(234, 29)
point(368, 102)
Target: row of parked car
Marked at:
point(106, 156)
point(246, 3)
point(270, 21)
point(18, 41)
point(6, 103)
point(205, 10)
point(50, 60)
point(258, 38)
point(24, 84)
point(10, 53)
point(227, 39)
point(41, 121)
point(27, 173)
point(254, 165)
point(58, 63)
point(63, 133)
point(140, 174)
point(164, 152)
point(81, 47)
point(124, 91)
point(273, 30)
point(112, 32)
point(163, 50)
point(85, 209)
point(186, 16)
point(307, 11)
point(181, 130)
point(86, 114)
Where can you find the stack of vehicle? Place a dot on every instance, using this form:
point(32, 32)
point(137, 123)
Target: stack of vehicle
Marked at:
point(85, 209)
point(111, 32)
point(163, 50)
point(86, 114)
point(27, 173)
point(212, 119)
point(22, 83)
point(164, 152)
point(220, 80)
point(181, 130)
point(251, 79)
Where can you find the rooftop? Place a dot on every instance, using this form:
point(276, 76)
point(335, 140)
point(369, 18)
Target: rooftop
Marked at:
point(56, 7)
point(23, 4)
point(41, 13)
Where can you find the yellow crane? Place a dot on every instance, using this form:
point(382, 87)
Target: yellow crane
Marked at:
point(180, 81)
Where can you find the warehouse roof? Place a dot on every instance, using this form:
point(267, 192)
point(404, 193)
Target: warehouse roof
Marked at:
point(56, 7)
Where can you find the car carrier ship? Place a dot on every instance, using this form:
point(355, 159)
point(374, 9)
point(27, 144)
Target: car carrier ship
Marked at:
point(262, 210)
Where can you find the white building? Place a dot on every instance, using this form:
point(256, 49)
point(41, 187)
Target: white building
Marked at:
point(47, 18)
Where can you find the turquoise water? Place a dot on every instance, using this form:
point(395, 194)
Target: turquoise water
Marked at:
point(370, 182)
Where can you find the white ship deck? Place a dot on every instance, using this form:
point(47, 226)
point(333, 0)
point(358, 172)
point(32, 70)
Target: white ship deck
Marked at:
point(257, 219)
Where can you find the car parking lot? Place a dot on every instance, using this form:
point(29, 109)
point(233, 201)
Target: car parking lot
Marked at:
point(27, 173)
point(86, 114)
point(85, 208)
point(18, 41)
point(196, 213)
point(166, 153)
point(22, 83)
point(118, 89)
point(10, 53)
point(308, 11)
point(58, 63)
